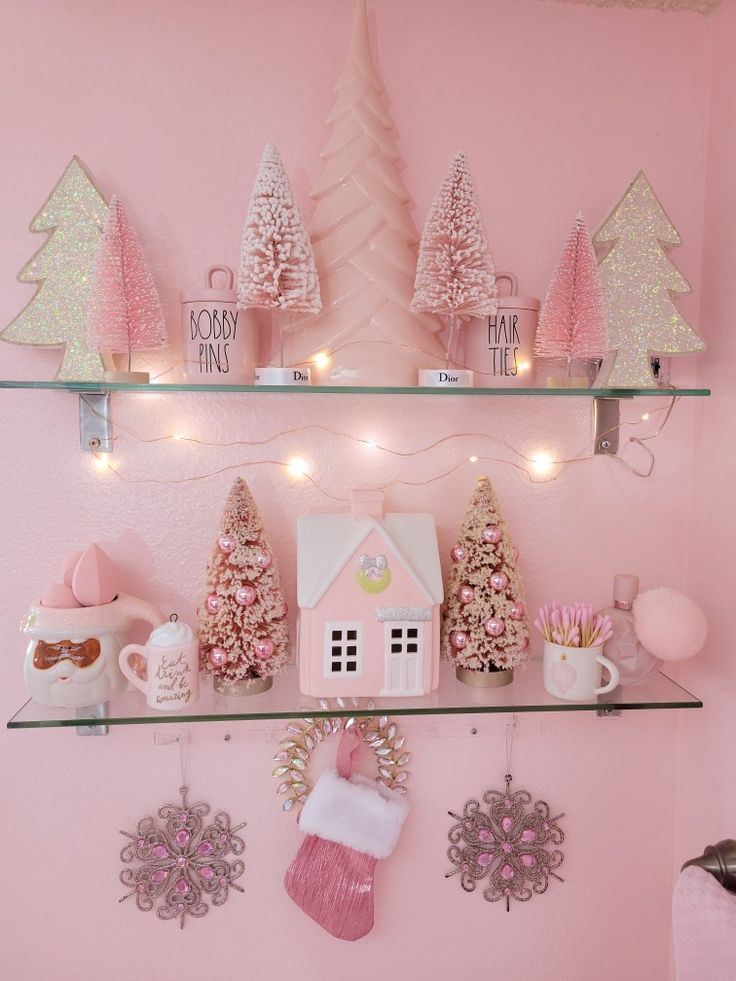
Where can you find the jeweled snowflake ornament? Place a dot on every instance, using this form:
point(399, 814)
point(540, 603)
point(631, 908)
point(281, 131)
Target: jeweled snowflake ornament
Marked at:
point(182, 861)
point(511, 844)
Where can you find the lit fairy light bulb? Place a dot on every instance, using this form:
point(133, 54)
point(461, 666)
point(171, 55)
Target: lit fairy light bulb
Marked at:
point(321, 360)
point(645, 417)
point(370, 445)
point(473, 459)
point(523, 366)
point(542, 462)
point(298, 467)
point(180, 435)
point(101, 462)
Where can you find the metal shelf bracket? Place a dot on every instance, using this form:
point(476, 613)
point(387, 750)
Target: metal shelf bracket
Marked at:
point(606, 421)
point(93, 713)
point(95, 422)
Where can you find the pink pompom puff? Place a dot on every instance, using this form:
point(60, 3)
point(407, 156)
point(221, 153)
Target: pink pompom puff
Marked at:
point(669, 624)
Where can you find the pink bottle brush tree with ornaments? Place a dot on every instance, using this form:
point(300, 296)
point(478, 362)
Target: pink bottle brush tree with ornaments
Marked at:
point(364, 243)
point(125, 313)
point(277, 268)
point(572, 322)
point(455, 275)
point(484, 629)
point(243, 631)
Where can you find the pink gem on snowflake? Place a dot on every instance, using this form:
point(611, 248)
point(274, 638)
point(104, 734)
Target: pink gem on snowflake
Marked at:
point(184, 854)
point(523, 839)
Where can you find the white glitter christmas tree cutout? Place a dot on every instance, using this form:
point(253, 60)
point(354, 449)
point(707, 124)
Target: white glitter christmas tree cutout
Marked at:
point(639, 282)
point(56, 316)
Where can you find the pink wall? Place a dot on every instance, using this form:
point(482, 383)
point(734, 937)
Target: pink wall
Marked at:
point(170, 104)
point(706, 792)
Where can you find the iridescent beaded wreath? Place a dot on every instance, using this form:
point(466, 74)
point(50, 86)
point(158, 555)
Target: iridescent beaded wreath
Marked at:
point(510, 844)
point(182, 862)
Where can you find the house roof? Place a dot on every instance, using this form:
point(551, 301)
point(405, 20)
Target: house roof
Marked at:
point(325, 542)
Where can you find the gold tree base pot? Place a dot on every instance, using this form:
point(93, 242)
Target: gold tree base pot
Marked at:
point(484, 679)
point(238, 689)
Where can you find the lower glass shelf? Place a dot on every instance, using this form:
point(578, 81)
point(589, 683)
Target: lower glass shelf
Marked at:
point(284, 701)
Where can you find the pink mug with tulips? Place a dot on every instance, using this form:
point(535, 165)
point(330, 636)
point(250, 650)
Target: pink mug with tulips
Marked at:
point(573, 660)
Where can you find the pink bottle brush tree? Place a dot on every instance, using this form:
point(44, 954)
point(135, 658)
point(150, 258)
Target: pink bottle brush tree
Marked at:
point(125, 312)
point(455, 272)
point(277, 267)
point(243, 630)
point(572, 323)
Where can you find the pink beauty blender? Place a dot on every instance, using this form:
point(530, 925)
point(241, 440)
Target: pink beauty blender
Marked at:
point(70, 564)
point(94, 581)
point(58, 596)
point(669, 624)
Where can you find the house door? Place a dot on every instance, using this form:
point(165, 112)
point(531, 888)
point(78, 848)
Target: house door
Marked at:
point(404, 659)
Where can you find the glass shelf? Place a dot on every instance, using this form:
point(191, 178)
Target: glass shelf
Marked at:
point(284, 701)
point(102, 386)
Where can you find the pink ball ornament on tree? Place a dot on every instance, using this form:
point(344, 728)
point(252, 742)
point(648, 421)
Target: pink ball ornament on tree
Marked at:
point(226, 544)
point(263, 559)
point(459, 639)
point(213, 603)
point(494, 626)
point(517, 611)
point(492, 534)
point(217, 657)
point(263, 648)
point(245, 595)
point(498, 581)
point(457, 553)
point(466, 594)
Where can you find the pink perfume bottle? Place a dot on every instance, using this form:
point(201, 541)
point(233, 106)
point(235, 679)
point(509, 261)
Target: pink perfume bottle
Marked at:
point(634, 662)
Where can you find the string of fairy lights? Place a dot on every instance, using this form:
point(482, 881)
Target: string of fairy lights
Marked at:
point(539, 467)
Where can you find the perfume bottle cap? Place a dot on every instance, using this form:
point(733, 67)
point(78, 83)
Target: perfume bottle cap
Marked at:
point(625, 591)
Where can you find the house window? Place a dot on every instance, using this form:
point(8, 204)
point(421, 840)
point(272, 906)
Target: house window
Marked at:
point(343, 650)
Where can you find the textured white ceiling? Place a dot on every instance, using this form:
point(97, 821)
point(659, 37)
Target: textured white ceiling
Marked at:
point(702, 6)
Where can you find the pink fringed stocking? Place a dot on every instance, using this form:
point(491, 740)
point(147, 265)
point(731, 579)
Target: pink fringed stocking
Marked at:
point(350, 822)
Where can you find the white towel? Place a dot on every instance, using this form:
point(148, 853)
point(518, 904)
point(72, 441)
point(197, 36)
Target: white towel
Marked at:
point(704, 925)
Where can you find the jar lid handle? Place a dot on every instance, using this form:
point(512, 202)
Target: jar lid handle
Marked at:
point(510, 278)
point(223, 269)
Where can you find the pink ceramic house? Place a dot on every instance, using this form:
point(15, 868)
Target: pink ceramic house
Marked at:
point(369, 590)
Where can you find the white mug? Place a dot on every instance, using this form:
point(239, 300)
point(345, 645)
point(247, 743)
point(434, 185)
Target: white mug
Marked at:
point(576, 673)
point(171, 658)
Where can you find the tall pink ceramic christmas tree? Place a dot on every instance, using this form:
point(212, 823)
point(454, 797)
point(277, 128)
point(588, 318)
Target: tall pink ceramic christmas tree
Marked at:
point(364, 243)
point(243, 631)
point(277, 268)
point(484, 627)
point(455, 274)
point(125, 312)
point(572, 323)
